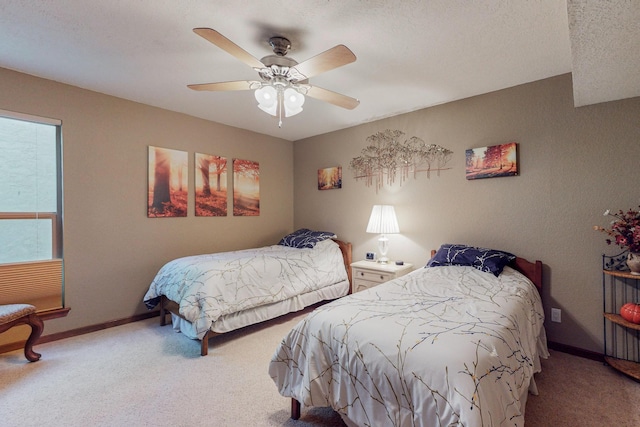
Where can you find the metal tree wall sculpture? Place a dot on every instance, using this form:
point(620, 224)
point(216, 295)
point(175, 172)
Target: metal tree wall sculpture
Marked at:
point(386, 156)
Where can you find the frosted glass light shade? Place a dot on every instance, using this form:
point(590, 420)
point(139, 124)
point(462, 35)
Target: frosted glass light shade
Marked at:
point(267, 98)
point(270, 98)
point(293, 101)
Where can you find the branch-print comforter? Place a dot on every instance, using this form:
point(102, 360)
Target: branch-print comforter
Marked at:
point(442, 346)
point(210, 286)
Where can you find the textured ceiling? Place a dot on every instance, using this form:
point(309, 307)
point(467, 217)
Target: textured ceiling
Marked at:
point(411, 54)
point(605, 47)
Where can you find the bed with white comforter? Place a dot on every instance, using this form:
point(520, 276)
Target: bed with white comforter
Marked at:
point(224, 291)
point(441, 346)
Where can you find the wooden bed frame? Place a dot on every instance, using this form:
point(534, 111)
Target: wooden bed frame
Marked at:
point(167, 306)
point(531, 270)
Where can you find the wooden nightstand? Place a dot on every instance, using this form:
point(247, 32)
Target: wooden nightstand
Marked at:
point(367, 274)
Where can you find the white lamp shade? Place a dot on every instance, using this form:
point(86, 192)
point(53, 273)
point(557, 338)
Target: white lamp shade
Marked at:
point(267, 98)
point(270, 97)
point(383, 220)
point(293, 101)
point(272, 109)
point(288, 112)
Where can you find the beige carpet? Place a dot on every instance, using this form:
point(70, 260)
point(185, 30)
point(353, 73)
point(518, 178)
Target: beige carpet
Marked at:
point(143, 374)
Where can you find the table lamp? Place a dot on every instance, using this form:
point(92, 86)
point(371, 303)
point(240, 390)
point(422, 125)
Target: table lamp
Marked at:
point(383, 221)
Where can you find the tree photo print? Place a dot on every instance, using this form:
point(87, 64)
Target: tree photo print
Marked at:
point(211, 185)
point(168, 190)
point(246, 188)
point(492, 162)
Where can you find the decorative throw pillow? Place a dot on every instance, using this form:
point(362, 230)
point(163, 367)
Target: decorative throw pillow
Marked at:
point(305, 238)
point(487, 260)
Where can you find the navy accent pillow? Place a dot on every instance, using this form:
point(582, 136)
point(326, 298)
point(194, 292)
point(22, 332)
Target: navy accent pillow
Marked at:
point(487, 260)
point(305, 238)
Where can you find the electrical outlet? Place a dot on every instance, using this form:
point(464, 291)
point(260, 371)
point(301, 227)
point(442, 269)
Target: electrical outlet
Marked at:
point(556, 315)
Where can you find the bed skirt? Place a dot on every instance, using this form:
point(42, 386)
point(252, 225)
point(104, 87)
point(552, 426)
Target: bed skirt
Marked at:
point(239, 320)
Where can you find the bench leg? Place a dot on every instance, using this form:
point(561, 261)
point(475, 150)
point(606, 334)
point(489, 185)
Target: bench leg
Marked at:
point(37, 326)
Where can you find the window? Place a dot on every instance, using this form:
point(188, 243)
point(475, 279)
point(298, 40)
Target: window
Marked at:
point(31, 267)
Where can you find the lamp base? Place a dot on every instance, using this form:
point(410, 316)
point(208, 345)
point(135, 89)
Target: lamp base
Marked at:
point(383, 247)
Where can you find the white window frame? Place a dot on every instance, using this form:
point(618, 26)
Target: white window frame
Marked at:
point(33, 281)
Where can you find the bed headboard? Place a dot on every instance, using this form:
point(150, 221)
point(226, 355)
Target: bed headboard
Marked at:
point(345, 248)
point(531, 270)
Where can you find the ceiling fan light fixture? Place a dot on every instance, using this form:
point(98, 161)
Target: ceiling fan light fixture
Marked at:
point(272, 98)
point(293, 101)
point(288, 112)
point(285, 82)
point(273, 109)
point(266, 96)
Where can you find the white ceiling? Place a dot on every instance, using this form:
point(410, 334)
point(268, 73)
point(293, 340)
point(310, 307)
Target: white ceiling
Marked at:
point(411, 54)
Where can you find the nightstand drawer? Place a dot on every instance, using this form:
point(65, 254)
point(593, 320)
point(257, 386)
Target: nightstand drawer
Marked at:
point(367, 274)
point(373, 276)
point(361, 285)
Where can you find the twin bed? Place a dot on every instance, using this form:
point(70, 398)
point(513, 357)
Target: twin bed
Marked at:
point(217, 293)
point(456, 343)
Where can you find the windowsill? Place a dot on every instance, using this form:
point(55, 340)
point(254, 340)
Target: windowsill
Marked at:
point(54, 313)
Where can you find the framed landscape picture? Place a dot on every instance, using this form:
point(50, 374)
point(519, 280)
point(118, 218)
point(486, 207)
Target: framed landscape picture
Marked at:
point(246, 188)
point(168, 188)
point(211, 185)
point(493, 161)
point(330, 178)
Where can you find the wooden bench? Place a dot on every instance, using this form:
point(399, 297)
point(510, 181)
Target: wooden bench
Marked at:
point(23, 314)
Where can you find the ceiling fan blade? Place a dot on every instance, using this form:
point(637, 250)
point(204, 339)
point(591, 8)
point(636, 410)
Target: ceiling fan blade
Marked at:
point(328, 60)
point(334, 98)
point(227, 45)
point(222, 86)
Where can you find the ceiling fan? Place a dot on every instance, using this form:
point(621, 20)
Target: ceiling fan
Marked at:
point(284, 82)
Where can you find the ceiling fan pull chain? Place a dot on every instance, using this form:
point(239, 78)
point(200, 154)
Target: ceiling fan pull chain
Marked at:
point(280, 102)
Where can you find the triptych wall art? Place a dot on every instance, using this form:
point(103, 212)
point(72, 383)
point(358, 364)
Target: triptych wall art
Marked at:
point(168, 189)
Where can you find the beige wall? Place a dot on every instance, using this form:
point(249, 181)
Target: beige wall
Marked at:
point(112, 250)
point(574, 164)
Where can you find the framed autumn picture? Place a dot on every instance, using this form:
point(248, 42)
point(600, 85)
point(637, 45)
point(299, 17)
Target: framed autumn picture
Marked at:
point(246, 188)
point(211, 185)
point(168, 188)
point(330, 178)
point(492, 162)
